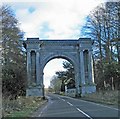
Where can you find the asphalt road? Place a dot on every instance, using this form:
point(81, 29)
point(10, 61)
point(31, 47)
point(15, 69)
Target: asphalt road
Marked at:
point(62, 106)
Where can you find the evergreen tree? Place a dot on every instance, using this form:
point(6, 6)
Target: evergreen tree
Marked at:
point(62, 78)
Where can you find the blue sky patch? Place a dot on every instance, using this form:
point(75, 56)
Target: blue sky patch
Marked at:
point(31, 9)
point(45, 28)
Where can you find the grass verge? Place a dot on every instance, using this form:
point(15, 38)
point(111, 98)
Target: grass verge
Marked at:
point(105, 97)
point(21, 107)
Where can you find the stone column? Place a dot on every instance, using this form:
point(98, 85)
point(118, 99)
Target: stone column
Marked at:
point(29, 67)
point(82, 67)
point(77, 78)
point(41, 81)
point(37, 68)
point(90, 67)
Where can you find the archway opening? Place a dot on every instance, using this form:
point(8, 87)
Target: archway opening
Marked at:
point(59, 76)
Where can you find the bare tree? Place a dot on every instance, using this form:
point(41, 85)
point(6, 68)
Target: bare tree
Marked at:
point(103, 27)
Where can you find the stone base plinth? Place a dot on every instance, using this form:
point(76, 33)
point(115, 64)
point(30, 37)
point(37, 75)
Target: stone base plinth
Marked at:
point(86, 89)
point(70, 92)
point(35, 91)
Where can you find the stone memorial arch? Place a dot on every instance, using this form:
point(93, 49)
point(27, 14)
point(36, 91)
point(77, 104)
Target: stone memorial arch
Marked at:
point(78, 52)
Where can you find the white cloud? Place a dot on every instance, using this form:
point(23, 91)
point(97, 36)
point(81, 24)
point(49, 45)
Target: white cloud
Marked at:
point(51, 68)
point(57, 19)
point(63, 17)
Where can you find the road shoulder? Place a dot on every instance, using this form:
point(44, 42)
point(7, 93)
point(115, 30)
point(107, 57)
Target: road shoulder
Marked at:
point(37, 112)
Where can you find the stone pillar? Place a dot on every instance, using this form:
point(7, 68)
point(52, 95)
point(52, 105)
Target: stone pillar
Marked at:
point(77, 81)
point(90, 67)
point(37, 68)
point(29, 67)
point(34, 90)
point(82, 70)
point(41, 80)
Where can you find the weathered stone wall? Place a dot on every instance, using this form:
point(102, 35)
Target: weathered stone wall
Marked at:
point(71, 50)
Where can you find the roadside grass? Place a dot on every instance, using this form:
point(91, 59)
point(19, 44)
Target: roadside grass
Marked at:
point(21, 107)
point(106, 97)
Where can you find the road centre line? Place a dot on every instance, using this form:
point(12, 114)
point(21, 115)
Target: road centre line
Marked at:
point(84, 113)
point(63, 100)
point(94, 103)
point(70, 104)
point(80, 111)
point(101, 105)
point(59, 98)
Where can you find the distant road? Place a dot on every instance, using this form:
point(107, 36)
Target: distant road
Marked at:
point(62, 106)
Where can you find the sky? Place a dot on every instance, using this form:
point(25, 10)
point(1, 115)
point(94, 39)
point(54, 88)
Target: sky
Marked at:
point(52, 19)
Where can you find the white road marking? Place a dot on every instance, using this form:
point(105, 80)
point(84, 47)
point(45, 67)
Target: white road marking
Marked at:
point(93, 103)
point(58, 97)
point(63, 100)
point(42, 110)
point(40, 114)
point(84, 113)
point(70, 104)
point(101, 105)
